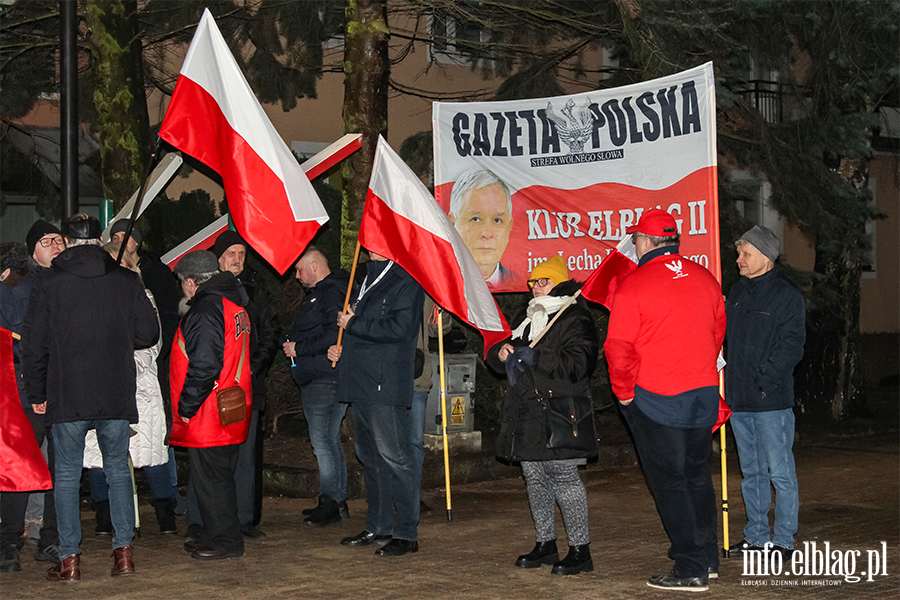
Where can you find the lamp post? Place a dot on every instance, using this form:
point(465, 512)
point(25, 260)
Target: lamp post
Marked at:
point(68, 113)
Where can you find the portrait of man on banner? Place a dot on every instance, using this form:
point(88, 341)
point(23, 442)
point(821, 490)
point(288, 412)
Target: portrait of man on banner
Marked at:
point(481, 211)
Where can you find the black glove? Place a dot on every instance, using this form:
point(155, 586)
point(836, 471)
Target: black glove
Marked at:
point(516, 362)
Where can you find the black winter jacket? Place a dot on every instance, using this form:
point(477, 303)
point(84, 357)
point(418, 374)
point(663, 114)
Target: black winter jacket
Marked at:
point(379, 344)
point(264, 333)
point(564, 360)
point(315, 329)
point(86, 317)
point(15, 292)
point(764, 341)
point(204, 333)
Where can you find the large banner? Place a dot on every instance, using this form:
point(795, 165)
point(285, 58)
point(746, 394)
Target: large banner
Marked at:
point(526, 179)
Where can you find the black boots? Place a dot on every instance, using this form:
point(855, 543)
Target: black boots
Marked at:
point(165, 514)
point(544, 553)
point(327, 512)
point(577, 561)
point(104, 520)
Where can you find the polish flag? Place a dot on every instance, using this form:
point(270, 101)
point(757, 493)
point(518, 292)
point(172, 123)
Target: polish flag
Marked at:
point(602, 284)
point(403, 222)
point(215, 117)
point(22, 466)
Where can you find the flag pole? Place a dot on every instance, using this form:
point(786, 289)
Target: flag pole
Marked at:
point(138, 201)
point(347, 296)
point(555, 317)
point(440, 325)
point(725, 550)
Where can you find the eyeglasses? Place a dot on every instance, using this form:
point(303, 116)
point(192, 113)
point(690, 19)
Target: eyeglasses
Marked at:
point(635, 236)
point(46, 243)
point(540, 282)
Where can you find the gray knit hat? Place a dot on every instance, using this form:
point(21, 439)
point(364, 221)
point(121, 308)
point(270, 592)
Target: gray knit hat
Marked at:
point(197, 263)
point(764, 240)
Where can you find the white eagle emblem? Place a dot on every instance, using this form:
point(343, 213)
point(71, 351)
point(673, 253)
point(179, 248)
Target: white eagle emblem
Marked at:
point(675, 266)
point(575, 130)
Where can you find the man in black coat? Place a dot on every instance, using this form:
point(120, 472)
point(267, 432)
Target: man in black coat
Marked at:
point(44, 242)
point(86, 317)
point(377, 374)
point(314, 331)
point(764, 341)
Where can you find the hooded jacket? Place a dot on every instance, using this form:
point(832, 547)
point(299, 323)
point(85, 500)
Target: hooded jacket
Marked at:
point(86, 317)
point(205, 357)
point(315, 329)
point(564, 360)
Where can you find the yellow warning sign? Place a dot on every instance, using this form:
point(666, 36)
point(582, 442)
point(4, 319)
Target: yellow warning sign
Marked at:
point(458, 412)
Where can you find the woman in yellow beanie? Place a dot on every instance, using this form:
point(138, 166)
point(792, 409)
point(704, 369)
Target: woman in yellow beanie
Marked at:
point(547, 384)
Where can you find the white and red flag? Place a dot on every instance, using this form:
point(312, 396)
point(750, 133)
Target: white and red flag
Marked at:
point(602, 284)
point(215, 117)
point(403, 222)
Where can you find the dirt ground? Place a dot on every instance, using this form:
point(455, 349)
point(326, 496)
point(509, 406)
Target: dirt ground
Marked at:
point(849, 497)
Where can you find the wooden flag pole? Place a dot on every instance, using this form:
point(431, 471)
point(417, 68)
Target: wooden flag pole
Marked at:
point(347, 296)
point(440, 325)
point(555, 317)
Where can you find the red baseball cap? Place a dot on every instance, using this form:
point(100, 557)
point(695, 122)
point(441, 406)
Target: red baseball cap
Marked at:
point(655, 222)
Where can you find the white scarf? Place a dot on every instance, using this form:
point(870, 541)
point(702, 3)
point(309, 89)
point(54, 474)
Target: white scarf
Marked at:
point(538, 315)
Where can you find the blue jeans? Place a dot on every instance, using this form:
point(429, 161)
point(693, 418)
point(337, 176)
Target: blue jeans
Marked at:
point(157, 478)
point(68, 440)
point(417, 431)
point(323, 415)
point(764, 444)
point(389, 469)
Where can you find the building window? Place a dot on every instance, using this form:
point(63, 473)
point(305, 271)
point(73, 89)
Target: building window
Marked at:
point(754, 205)
point(762, 90)
point(457, 41)
point(870, 266)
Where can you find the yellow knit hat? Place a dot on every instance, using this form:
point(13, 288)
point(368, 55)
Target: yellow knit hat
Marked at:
point(554, 268)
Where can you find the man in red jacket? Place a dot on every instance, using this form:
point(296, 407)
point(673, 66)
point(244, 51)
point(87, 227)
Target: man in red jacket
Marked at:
point(665, 330)
point(211, 352)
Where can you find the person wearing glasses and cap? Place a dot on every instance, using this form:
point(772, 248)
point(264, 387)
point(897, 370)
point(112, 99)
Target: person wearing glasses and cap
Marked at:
point(560, 364)
point(44, 242)
point(666, 328)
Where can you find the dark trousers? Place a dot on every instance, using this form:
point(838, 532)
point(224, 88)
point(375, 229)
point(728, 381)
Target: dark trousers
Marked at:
point(14, 504)
point(676, 467)
point(212, 478)
point(247, 479)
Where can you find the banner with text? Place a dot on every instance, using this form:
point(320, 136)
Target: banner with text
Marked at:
point(526, 179)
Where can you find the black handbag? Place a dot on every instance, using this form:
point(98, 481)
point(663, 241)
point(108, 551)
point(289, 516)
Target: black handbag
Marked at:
point(570, 423)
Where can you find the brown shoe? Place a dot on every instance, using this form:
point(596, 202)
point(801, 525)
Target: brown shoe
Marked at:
point(69, 569)
point(122, 564)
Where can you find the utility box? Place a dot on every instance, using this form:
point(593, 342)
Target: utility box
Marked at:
point(459, 380)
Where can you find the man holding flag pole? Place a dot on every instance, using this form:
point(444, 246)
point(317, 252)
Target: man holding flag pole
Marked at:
point(402, 221)
point(378, 358)
point(666, 328)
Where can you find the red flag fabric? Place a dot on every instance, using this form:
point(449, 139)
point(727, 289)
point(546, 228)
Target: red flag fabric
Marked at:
point(22, 466)
point(403, 222)
point(724, 413)
point(602, 284)
point(215, 117)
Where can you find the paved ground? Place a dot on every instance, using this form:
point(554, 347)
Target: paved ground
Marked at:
point(850, 496)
